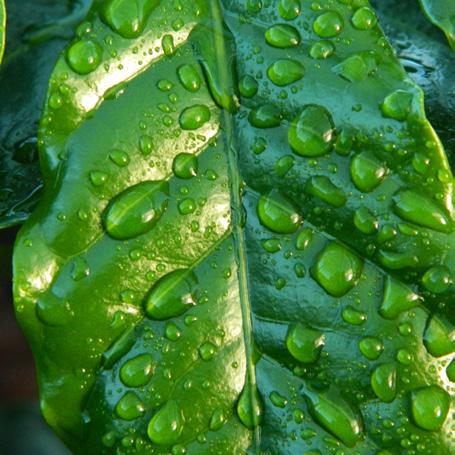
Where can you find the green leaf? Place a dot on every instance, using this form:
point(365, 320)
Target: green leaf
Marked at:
point(442, 14)
point(231, 258)
point(37, 32)
point(2, 28)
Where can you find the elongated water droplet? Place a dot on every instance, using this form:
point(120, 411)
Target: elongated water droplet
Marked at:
point(421, 210)
point(84, 56)
point(337, 269)
point(185, 165)
point(166, 425)
point(192, 118)
point(249, 407)
point(322, 187)
point(304, 344)
point(136, 210)
point(137, 371)
point(383, 382)
point(397, 298)
point(284, 72)
point(265, 116)
point(282, 35)
point(430, 406)
point(248, 86)
point(278, 214)
point(129, 407)
point(334, 414)
point(304, 239)
point(172, 295)
point(353, 316)
point(312, 132)
point(189, 77)
point(367, 172)
point(278, 400)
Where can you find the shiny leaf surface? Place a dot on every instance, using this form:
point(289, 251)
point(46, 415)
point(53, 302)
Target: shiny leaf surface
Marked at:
point(287, 287)
point(442, 14)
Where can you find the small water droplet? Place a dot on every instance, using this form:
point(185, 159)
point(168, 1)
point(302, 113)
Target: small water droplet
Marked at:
point(322, 187)
point(129, 407)
point(285, 71)
point(282, 36)
point(371, 347)
point(137, 371)
point(265, 116)
point(304, 344)
point(364, 18)
point(328, 24)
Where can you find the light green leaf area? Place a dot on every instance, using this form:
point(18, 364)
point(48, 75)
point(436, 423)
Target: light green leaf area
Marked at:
point(442, 14)
point(2, 28)
point(246, 241)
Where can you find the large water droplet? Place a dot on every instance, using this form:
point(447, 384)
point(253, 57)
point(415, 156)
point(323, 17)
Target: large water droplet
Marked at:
point(312, 132)
point(128, 18)
point(328, 24)
point(337, 269)
point(84, 56)
point(278, 213)
point(383, 382)
point(367, 172)
point(422, 211)
point(284, 72)
point(193, 117)
point(289, 9)
point(248, 86)
point(249, 406)
point(189, 77)
point(439, 336)
point(397, 298)
point(304, 344)
point(364, 18)
point(282, 35)
point(397, 105)
point(129, 407)
point(172, 295)
point(166, 425)
point(136, 210)
point(334, 414)
point(322, 187)
point(138, 371)
point(185, 165)
point(437, 279)
point(430, 406)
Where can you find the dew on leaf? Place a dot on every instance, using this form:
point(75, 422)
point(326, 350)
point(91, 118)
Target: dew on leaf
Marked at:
point(304, 344)
point(137, 371)
point(166, 426)
point(84, 56)
point(282, 36)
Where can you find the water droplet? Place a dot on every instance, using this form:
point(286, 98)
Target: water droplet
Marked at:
point(80, 269)
point(322, 50)
point(334, 414)
point(337, 269)
point(289, 9)
point(437, 279)
point(304, 239)
point(397, 105)
point(193, 117)
point(189, 77)
point(304, 344)
point(172, 295)
point(357, 67)
point(328, 24)
point(284, 165)
point(397, 298)
point(207, 351)
point(439, 336)
point(371, 347)
point(187, 206)
point(353, 316)
point(365, 221)
point(172, 331)
point(383, 382)
point(166, 425)
point(126, 18)
point(322, 187)
point(367, 172)
point(282, 35)
point(120, 158)
point(165, 85)
point(138, 371)
point(129, 407)
point(278, 400)
point(217, 420)
point(84, 56)
point(271, 245)
point(249, 406)
point(185, 165)
point(168, 45)
point(248, 86)
point(421, 210)
point(136, 210)
point(278, 214)
point(364, 19)
point(311, 133)
point(430, 406)
point(98, 178)
point(265, 116)
point(450, 371)
point(404, 357)
point(285, 71)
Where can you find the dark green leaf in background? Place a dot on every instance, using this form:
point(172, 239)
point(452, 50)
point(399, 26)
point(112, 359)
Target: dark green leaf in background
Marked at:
point(37, 31)
point(442, 14)
point(246, 238)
